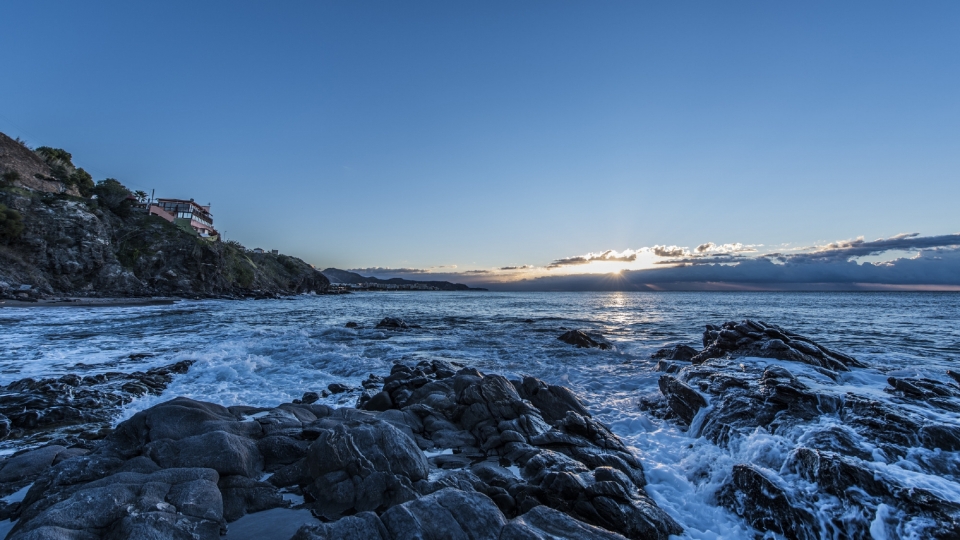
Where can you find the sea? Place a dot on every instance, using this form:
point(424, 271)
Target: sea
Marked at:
point(267, 352)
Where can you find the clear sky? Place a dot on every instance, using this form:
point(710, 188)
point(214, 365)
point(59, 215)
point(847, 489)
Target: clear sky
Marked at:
point(490, 134)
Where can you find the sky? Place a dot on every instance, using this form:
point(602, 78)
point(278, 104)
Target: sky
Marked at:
point(460, 138)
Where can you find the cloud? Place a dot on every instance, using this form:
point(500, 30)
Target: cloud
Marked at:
point(844, 250)
point(524, 267)
point(670, 251)
point(935, 266)
point(839, 251)
point(476, 272)
point(608, 256)
point(703, 248)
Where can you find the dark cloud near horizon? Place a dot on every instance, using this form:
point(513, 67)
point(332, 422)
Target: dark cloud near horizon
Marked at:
point(609, 256)
point(848, 249)
point(840, 251)
point(938, 267)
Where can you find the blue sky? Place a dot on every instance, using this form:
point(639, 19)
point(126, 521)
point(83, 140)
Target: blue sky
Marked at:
point(489, 134)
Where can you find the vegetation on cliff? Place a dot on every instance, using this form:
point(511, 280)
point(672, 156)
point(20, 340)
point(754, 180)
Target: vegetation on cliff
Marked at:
point(60, 243)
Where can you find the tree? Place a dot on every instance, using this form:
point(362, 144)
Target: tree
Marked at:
point(140, 195)
point(11, 224)
point(114, 196)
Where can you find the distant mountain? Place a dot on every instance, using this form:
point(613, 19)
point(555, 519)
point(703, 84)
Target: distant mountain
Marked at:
point(342, 276)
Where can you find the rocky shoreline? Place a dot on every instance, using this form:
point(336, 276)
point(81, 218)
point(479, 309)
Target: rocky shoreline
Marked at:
point(435, 450)
point(438, 449)
point(846, 434)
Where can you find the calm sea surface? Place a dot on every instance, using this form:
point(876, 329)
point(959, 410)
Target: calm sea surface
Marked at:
point(272, 351)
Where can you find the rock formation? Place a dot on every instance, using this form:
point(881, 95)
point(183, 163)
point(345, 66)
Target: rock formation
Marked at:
point(842, 436)
point(453, 453)
point(585, 340)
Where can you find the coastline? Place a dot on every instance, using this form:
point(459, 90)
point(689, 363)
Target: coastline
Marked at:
point(89, 302)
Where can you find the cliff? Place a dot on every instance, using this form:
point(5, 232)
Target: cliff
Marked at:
point(71, 245)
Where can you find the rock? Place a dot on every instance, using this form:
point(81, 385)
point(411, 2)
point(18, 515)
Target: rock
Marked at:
point(760, 379)
point(29, 464)
point(736, 340)
point(309, 397)
point(765, 505)
point(184, 468)
point(677, 352)
point(36, 411)
point(351, 324)
point(224, 452)
point(583, 340)
point(174, 503)
point(684, 401)
point(362, 465)
point(395, 324)
point(337, 388)
point(448, 513)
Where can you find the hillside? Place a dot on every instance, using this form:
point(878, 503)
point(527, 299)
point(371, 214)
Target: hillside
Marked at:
point(60, 243)
point(343, 276)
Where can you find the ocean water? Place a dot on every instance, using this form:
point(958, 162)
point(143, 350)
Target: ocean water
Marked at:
point(268, 352)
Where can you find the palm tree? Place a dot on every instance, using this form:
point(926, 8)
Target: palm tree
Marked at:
point(140, 195)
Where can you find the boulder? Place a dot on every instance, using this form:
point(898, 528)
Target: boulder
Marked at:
point(584, 340)
point(394, 323)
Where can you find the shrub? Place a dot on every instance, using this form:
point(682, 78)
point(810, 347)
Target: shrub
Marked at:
point(11, 224)
point(9, 178)
point(63, 169)
point(83, 181)
point(114, 196)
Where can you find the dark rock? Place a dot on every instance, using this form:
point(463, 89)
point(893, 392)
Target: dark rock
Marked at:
point(584, 340)
point(36, 411)
point(677, 352)
point(765, 505)
point(186, 467)
point(684, 401)
point(352, 324)
point(242, 495)
point(337, 388)
point(379, 402)
point(843, 436)
point(395, 324)
point(309, 397)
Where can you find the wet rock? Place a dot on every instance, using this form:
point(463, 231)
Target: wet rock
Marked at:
point(765, 505)
point(395, 324)
point(684, 401)
point(36, 411)
point(677, 352)
point(585, 340)
point(507, 459)
point(351, 324)
point(763, 340)
point(337, 388)
point(760, 379)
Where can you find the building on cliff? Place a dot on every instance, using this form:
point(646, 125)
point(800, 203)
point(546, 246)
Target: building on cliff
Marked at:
point(187, 214)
